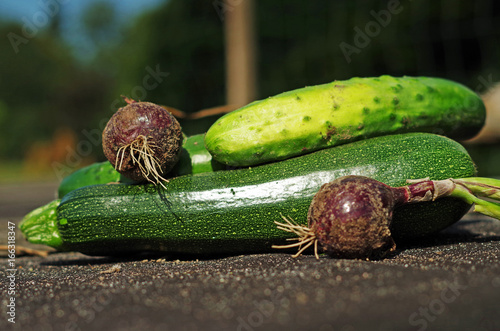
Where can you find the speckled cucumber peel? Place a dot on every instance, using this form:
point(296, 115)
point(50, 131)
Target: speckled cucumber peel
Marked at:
point(316, 117)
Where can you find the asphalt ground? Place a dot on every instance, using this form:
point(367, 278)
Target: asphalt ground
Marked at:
point(450, 281)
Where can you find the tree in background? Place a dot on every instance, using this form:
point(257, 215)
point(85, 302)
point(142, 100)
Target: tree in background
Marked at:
point(303, 43)
point(184, 39)
point(44, 88)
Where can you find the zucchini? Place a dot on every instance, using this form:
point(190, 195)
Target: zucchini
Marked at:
point(233, 211)
point(95, 173)
point(194, 159)
point(312, 118)
point(40, 225)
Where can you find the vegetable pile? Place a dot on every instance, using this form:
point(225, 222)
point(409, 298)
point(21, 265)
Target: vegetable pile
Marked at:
point(332, 160)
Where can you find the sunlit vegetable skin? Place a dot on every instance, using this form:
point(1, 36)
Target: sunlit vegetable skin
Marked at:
point(315, 117)
point(194, 159)
point(233, 211)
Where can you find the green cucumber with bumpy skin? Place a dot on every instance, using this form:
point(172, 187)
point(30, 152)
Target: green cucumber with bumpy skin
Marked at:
point(194, 159)
point(233, 211)
point(312, 118)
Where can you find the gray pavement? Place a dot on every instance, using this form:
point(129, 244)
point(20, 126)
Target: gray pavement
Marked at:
point(450, 281)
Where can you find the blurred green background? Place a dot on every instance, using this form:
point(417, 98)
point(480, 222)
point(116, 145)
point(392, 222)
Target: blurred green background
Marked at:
point(64, 64)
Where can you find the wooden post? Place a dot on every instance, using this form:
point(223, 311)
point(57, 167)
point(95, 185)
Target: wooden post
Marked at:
point(240, 52)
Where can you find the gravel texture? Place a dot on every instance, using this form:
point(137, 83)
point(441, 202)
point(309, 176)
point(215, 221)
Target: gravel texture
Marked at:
point(450, 281)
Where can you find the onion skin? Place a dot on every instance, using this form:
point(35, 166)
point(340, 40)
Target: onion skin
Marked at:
point(351, 217)
point(146, 119)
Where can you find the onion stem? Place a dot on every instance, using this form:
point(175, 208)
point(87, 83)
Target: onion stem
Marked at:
point(481, 186)
point(467, 188)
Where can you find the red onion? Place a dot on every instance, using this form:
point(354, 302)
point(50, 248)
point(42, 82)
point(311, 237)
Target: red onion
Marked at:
point(351, 216)
point(142, 141)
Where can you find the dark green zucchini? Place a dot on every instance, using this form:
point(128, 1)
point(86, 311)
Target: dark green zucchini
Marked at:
point(233, 211)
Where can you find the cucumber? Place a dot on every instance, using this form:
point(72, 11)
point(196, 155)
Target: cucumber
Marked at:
point(194, 159)
point(312, 118)
point(233, 211)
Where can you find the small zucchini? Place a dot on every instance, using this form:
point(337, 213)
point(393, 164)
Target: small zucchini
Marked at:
point(312, 118)
point(233, 211)
point(194, 159)
point(95, 173)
